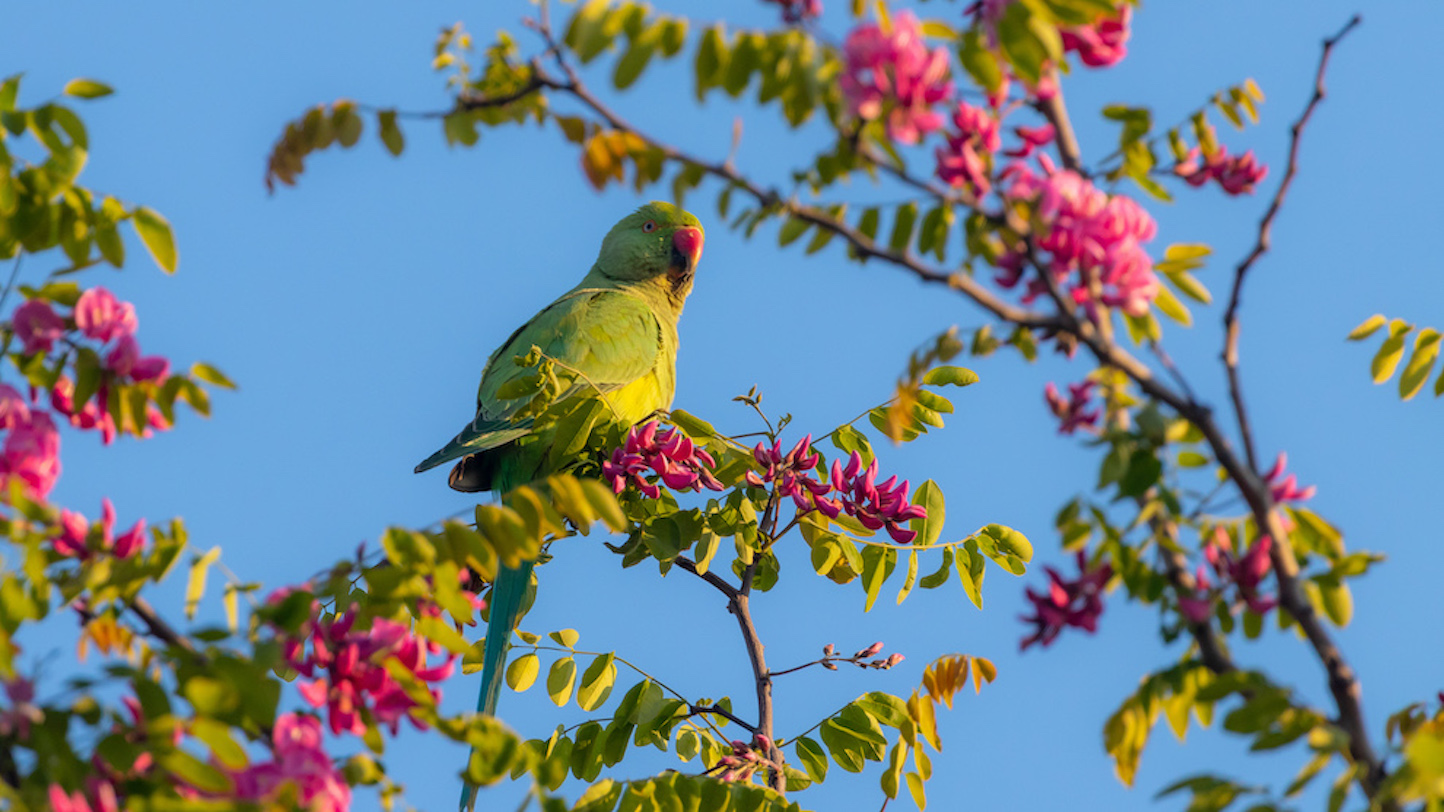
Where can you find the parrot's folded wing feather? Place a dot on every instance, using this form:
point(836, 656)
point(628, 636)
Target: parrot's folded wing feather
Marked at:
point(479, 435)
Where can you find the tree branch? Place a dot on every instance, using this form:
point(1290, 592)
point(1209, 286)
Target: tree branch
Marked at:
point(1261, 246)
point(710, 577)
point(1056, 112)
point(741, 609)
point(697, 710)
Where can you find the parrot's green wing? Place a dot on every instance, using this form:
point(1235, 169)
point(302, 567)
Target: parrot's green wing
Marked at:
point(608, 338)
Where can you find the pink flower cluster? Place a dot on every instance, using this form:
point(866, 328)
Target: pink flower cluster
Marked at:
point(1103, 43)
point(75, 534)
point(348, 667)
point(1076, 603)
point(745, 758)
point(99, 796)
point(668, 454)
point(97, 315)
point(852, 488)
point(830, 658)
point(1236, 174)
point(1246, 573)
point(797, 11)
point(894, 74)
point(297, 760)
point(1286, 488)
point(1092, 240)
point(31, 451)
point(968, 158)
point(1072, 412)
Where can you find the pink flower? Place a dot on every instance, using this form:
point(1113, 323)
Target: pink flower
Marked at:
point(99, 796)
point(31, 454)
point(668, 456)
point(797, 11)
point(1286, 488)
point(37, 326)
point(351, 679)
point(299, 761)
point(895, 74)
point(1073, 412)
point(1032, 138)
point(968, 157)
point(1246, 573)
point(100, 316)
point(14, 410)
point(877, 505)
point(125, 361)
point(1104, 42)
point(1093, 240)
point(1236, 174)
point(73, 540)
point(92, 415)
point(1077, 603)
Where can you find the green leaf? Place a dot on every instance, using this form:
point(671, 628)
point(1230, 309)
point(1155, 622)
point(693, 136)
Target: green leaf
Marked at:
point(390, 133)
point(523, 671)
point(1416, 372)
point(156, 233)
point(211, 375)
point(929, 529)
point(87, 89)
point(1143, 471)
point(902, 227)
point(814, 760)
point(911, 578)
point(1387, 358)
point(1189, 286)
point(791, 230)
point(940, 575)
point(1368, 327)
point(597, 682)
point(877, 565)
point(195, 773)
point(1170, 306)
point(970, 564)
point(560, 679)
point(947, 375)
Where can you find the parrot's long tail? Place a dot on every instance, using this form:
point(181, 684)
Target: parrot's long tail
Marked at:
point(506, 599)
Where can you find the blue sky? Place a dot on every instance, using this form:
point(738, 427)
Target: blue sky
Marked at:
point(356, 312)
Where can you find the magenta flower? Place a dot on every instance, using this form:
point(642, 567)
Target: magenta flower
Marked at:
point(1104, 42)
point(31, 453)
point(668, 456)
point(894, 74)
point(877, 505)
point(92, 416)
point(75, 532)
point(1030, 139)
point(1198, 607)
point(794, 473)
point(968, 157)
point(1286, 488)
point(1077, 603)
point(125, 361)
point(351, 680)
point(37, 326)
point(298, 761)
point(14, 409)
point(1236, 174)
point(798, 11)
point(1073, 412)
point(101, 316)
point(1246, 573)
point(99, 796)
point(1093, 240)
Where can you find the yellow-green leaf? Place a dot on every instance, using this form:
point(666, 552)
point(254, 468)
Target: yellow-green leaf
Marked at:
point(523, 672)
point(560, 679)
point(87, 89)
point(1416, 372)
point(1368, 327)
point(156, 233)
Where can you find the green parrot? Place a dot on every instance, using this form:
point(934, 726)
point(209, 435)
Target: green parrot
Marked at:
point(618, 330)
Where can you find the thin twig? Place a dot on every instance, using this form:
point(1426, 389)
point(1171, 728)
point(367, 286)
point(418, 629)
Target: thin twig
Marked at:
point(1261, 245)
point(698, 710)
point(1056, 112)
point(710, 577)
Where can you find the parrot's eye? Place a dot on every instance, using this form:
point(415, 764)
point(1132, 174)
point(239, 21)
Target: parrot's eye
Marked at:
point(649, 226)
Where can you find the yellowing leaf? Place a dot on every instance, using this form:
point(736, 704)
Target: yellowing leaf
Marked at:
point(1368, 327)
point(523, 672)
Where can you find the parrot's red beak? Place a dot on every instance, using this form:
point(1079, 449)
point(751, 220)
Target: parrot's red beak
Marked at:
point(686, 251)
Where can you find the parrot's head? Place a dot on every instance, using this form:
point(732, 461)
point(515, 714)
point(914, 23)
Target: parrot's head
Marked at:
point(657, 242)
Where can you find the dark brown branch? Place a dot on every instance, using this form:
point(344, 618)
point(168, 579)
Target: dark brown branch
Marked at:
point(697, 710)
point(1261, 246)
point(710, 577)
point(741, 609)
